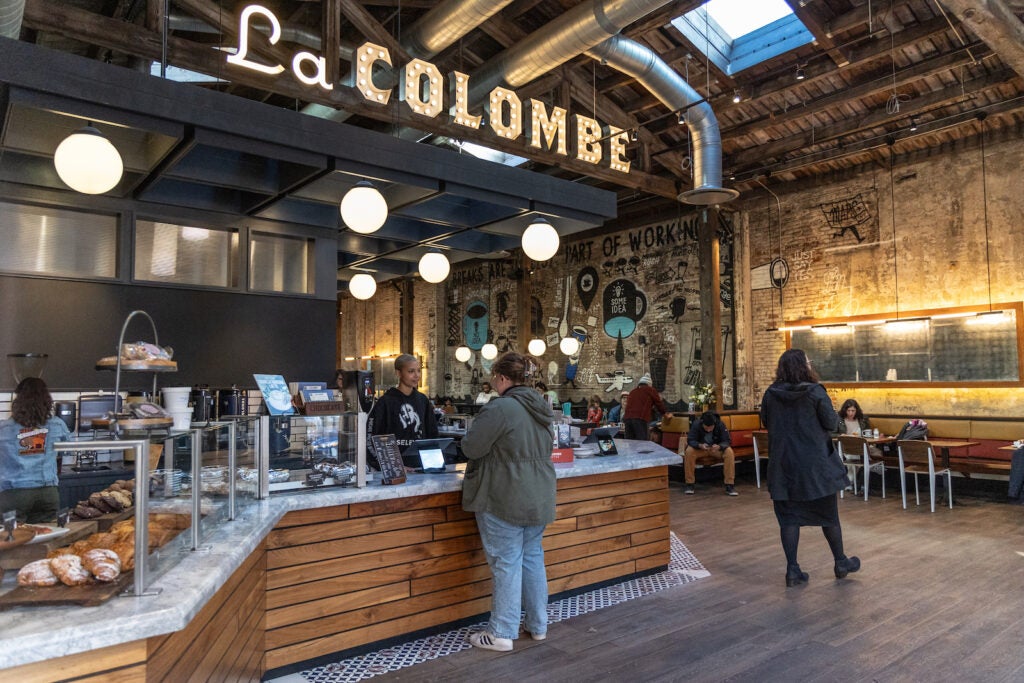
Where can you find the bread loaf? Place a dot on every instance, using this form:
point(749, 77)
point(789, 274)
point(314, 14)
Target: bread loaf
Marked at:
point(104, 564)
point(37, 573)
point(70, 571)
point(125, 549)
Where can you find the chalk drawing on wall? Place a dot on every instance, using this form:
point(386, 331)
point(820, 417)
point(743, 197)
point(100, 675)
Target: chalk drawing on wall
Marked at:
point(850, 218)
point(536, 317)
point(614, 381)
point(475, 324)
point(453, 323)
point(501, 305)
point(694, 373)
point(579, 332)
point(624, 306)
point(586, 285)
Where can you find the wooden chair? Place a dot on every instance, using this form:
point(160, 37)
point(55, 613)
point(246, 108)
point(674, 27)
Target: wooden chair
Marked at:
point(918, 457)
point(856, 454)
point(760, 453)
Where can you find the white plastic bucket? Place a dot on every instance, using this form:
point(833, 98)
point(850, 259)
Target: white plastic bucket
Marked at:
point(175, 398)
point(182, 419)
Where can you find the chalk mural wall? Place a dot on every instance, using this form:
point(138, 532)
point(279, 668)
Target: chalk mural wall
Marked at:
point(630, 298)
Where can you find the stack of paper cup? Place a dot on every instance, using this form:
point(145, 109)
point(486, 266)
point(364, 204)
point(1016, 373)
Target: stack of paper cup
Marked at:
point(175, 398)
point(182, 418)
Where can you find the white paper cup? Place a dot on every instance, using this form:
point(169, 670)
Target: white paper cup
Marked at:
point(175, 398)
point(182, 418)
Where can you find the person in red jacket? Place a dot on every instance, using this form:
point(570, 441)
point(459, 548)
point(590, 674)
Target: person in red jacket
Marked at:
point(638, 409)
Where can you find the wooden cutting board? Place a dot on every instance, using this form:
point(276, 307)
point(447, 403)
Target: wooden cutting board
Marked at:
point(18, 557)
point(53, 596)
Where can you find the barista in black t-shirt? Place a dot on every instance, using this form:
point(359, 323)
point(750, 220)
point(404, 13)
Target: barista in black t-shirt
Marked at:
point(402, 410)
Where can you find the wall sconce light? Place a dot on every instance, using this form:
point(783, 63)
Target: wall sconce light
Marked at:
point(87, 162)
point(736, 96)
point(463, 354)
point(363, 208)
point(913, 124)
point(800, 75)
point(570, 346)
point(434, 266)
point(489, 351)
point(536, 347)
point(540, 240)
point(362, 286)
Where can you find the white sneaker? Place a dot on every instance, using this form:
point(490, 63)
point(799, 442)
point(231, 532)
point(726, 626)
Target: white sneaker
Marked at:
point(488, 641)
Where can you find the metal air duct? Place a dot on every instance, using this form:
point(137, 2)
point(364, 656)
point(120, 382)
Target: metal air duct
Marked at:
point(640, 62)
point(11, 13)
point(446, 23)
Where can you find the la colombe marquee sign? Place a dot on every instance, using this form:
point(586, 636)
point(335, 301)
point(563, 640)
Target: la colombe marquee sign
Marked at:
point(421, 85)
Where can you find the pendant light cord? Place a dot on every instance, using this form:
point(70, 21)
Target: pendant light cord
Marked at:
point(984, 199)
point(895, 261)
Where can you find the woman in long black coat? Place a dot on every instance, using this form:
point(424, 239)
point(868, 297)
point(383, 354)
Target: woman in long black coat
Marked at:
point(804, 472)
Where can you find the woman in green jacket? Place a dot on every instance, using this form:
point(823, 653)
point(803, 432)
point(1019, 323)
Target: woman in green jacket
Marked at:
point(510, 485)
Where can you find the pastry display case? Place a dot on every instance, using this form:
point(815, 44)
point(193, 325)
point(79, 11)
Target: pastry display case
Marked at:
point(303, 452)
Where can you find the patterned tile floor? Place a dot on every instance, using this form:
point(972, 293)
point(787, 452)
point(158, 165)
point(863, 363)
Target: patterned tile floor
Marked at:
point(683, 568)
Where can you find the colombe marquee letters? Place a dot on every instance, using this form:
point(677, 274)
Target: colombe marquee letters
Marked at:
point(420, 87)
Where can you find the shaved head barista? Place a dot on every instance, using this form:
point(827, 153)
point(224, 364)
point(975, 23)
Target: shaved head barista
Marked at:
point(403, 410)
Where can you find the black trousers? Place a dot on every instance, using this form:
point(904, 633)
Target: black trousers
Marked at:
point(636, 428)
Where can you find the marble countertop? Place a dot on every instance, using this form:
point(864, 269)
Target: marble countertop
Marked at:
point(31, 634)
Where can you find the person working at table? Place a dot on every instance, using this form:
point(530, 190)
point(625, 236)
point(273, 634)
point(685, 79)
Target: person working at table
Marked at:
point(615, 412)
point(709, 437)
point(486, 394)
point(638, 410)
point(403, 410)
point(852, 420)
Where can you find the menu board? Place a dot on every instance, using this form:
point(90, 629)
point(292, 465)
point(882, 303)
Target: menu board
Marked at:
point(385, 449)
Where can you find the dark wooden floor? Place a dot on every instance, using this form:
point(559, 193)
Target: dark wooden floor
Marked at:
point(940, 598)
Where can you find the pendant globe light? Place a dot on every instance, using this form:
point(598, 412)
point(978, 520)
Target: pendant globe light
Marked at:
point(363, 208)
point(362, 286)
point(87, 162)
point(536, 347)
point(570, 346)
point(463, 354)
point(434, 266)
point(540, 240)
point(489, 351)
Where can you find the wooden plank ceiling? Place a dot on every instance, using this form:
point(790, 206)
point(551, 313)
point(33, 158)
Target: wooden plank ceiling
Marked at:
point(875, 68)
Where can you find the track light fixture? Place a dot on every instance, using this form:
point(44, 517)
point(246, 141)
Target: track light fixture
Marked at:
point(633, 135)
point(800, 75)
point(682, 117)
point(736, 96)
point(913, 123)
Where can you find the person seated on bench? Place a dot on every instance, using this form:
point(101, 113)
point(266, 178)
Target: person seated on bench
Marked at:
point(709, 436)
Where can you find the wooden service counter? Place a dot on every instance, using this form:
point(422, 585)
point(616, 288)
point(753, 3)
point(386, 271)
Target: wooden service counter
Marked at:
point(308, 575)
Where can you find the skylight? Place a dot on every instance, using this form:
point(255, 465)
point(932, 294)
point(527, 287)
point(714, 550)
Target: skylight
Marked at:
point(738, 34)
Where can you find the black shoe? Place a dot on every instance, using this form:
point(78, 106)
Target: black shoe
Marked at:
point(730, 490)
point(847, 565)
point(794, 577)
point(688, 490)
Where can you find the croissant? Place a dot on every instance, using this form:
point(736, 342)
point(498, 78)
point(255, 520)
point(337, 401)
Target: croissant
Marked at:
point(104, 564)
point(70, 571)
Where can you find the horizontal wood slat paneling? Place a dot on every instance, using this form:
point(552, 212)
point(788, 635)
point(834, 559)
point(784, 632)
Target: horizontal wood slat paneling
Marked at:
point(350, 528)
point(234, 614)
point(119, 662)
point(314, 516)
point(406, 564)
point(374, 632)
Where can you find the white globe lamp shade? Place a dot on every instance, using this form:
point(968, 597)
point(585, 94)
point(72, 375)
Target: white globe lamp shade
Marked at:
point(87, 162)
point(540, 241)
point(489, 351)
point(536, 347)
point(362, 286)
point(463, 354)
point(569, 345)
point(434, 267)
point(363, 208)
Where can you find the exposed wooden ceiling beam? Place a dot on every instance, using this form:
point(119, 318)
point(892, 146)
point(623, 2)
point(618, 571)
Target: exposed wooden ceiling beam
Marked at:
point(768, 153)
point(996, 24)
point(808, 15)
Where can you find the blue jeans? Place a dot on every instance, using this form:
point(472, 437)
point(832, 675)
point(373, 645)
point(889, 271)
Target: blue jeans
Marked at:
point(516, 558)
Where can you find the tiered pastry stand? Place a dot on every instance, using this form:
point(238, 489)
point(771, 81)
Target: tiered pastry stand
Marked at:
point(120, 420)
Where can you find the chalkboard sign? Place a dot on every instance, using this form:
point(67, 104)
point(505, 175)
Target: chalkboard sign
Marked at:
point(947, 348)
point(385, 449)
